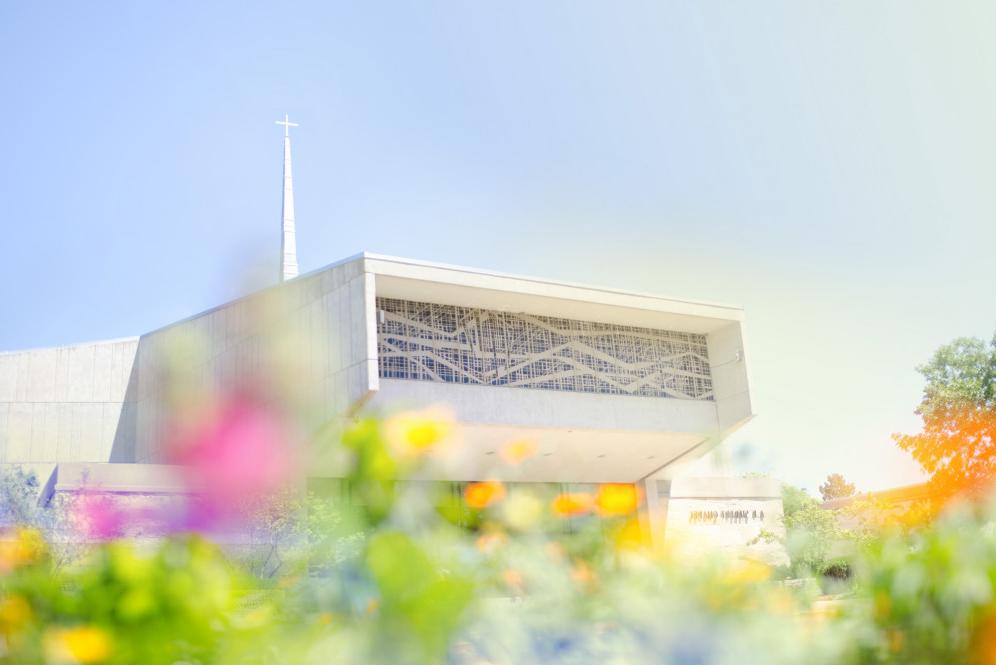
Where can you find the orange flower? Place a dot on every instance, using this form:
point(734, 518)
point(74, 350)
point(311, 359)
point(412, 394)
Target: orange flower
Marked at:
point(518, 451)
point(571, 504)
point(617, 499)
point(490, 541)
point(514, 579)
point(582, 573)
point(555, 551)
point(483, 494)
point(985, 639)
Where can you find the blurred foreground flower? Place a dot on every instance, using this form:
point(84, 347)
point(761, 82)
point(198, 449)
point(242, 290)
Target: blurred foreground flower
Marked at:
point(483, 494)
point(522, 510)
point(415, 433)
point(20, 547)
point(518, 451)
point(615, 499)
point(572, 504)
point(631, 536)
point(490, 541)
point(80, 644)
point(15, 612)
point(99, 518)
point(234, 456)
point(748, 571)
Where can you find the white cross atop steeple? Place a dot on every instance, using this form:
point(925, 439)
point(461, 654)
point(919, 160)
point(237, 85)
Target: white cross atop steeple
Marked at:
point(288, 242)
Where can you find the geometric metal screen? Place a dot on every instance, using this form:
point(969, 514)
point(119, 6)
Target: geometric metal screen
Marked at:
point(450, 344)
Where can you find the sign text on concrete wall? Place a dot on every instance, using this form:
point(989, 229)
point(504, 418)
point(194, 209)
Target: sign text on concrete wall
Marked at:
point(725, 516)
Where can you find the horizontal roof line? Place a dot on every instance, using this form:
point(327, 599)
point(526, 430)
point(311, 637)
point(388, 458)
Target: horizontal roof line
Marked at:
point(540, 280)
point(115, 340)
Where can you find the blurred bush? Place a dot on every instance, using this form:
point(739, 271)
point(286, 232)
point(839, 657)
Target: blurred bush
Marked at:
point(371, 569)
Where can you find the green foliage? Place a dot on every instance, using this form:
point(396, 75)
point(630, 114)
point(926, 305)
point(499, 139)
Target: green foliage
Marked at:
point(297, 530)
point(420, 605)
point(836, 487)
point(407, 574)
point(814, 540)
point(795, 499)
point(958, 411)
point(929, 596)
point(173, 603)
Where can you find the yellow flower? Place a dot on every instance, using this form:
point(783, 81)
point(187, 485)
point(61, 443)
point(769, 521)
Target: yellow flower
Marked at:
point(882, 606)
point(24, 548)
point(15, 612)
point(518, 451)
point(80, 644)
point(571, 504)
point(483, 494)
point(780, 601)
point(615, 499)
point(413, 433)
point(897, 640)
point(522, 510)
point(631, 536)
point(748, 571)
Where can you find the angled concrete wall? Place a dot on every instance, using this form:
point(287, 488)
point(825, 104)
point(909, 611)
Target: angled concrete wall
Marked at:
point(317, 329)
point(728, 366)
point(67, 404)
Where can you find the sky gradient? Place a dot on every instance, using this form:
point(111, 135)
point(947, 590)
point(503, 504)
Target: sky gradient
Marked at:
point(829, 167)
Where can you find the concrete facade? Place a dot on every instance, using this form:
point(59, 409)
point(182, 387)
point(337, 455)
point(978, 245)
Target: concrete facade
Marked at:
point(725, 514)
point(317, 326)
point(68, 404)
point(110, 401)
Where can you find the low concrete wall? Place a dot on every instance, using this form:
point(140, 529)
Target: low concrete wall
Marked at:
point(727, 514)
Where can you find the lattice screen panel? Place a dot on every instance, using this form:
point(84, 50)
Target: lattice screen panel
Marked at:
point(430, 342)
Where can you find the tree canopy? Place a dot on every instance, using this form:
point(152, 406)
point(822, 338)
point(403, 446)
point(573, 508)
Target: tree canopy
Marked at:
point(958, 411)
point(836, 487)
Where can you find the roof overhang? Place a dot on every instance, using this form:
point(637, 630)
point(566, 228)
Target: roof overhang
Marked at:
point(421, 281)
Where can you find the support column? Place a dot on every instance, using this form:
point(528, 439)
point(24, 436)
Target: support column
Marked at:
point(653, 515)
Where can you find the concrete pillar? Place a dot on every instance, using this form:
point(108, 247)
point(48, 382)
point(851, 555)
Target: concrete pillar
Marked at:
point(653, 515)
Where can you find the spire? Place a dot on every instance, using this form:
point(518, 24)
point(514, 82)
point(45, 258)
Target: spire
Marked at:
point(288, 242)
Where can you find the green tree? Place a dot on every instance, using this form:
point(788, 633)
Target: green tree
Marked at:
point(958, 410)
point(812, 535)
point(836, 487)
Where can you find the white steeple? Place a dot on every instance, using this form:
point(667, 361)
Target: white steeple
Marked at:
point(288, 242)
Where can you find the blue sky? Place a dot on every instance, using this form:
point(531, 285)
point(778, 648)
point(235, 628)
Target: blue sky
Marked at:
point(827, 166)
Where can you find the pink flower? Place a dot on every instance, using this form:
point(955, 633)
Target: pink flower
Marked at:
point(240, 453)
point(98, 518)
